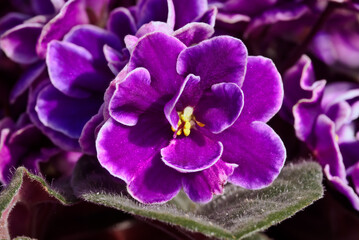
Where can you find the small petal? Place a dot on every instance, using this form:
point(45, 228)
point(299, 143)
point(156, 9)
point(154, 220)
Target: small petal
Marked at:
point(193, 33)
point(149, 54)
point(201, 186)
point(219, 108)
point(133, 96)
point(121, 23)
point(192, 154)
point(220, 59)
point(155, 182)
point(72, 13)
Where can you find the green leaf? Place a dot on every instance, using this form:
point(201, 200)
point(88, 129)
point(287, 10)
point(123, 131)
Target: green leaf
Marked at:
point(237, 214)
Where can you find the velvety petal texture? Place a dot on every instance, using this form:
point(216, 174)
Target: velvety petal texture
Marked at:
point(173, 116)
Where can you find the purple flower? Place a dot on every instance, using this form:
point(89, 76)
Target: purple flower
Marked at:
point(326, 119)
point(22, 144)
point(191, 117)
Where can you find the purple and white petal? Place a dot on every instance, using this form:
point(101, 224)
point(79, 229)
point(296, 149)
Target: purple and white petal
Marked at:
point(193, 153)
point(220, 107)
point(155, 182)
point(161, 64)
point(220, 59)
point(201, 186)
point(257, 150)
point(193, 33)
point(262, 89)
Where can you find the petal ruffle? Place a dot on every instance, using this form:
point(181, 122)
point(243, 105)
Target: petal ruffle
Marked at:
point(257, 150)
point(155, 182)
point(161, 64)
point(124, 150)
point(65, 114)
point(71, 14)
point(220, 59)
point(133, 96)
point(72, 72)
point(193, 153)
point(219, 108)
point(194, 33)
point(201, 186)
point(262, 89)
point(326, 148)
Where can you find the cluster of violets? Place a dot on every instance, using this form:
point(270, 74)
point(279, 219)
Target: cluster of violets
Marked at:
point(176, 94)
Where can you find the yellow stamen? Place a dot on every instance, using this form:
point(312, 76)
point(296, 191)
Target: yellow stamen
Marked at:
point(179, 132)
point(187, 125)
point(186, 131)
point(200, 124)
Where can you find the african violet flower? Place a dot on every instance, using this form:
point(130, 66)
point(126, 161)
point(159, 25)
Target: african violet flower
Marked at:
point(191, 117)
point(326, 119)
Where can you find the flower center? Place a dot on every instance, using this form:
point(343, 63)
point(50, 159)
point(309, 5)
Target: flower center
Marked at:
point(186, 122)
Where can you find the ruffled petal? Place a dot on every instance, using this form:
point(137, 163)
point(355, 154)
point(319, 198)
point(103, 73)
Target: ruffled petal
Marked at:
point(262, 89)
point(124, 150)
point(220, 59)
point(121, 23)
point(133, 96)
point(155, 182)
point(343, 187)
point(194, 33)
point(201, 186)
point(65, 114)
point(219, 108)
point(161, 64)
point(71, 70)
point(326, 148)
point(193, 153)
point(257, 150)
point(72, 13)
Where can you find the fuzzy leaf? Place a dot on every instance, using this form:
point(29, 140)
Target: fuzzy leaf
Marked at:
point(237, 214)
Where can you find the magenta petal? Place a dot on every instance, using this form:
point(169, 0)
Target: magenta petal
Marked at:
point(72, 72)
point(262, 89)
point(72, 13)
point(65, 114)
point(201, 186)
point(220, 59)
point(19, 43)
point(188, 95)
point(93, 39)
point(193, 153)
point(124, 150)
point(326, 148)
point(121, 23)
point(257, 150)
point(133, 96)
point(149, 54)
point(219, 108)
point(155, 182)
point(194, 33)
point(188, 10)
point(343, 187)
